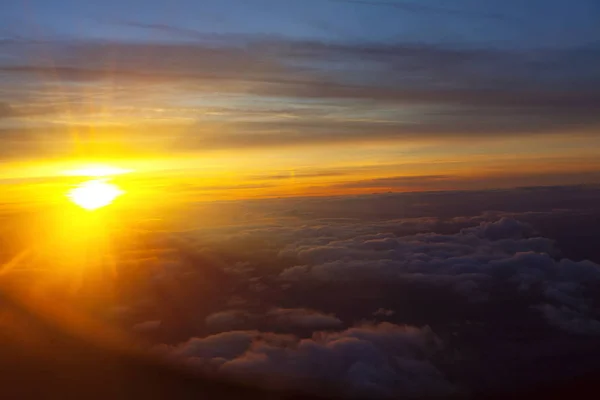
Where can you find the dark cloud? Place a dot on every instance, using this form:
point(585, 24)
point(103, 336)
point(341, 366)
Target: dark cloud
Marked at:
point(398, 181)
point(472, 263)
point(570, 320)
point(415, 7)
point(282, 290)
point(302, 175)
point(493, 289)
point(279, 319)
point(444, 91)
point(146, 326)
point(382, 312)
point(227, 320)
point(268, 134)
point(469, 262)
point(167, 29)
point(465, 76)
point(303, 318)
point(492, 285)
point(505, 228)
point(6, 110)
point(381, 360)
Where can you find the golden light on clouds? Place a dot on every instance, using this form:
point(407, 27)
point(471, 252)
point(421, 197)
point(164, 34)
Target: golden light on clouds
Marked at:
point(94, 194)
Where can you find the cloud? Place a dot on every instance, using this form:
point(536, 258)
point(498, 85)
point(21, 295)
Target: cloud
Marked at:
point(505, 228)
point(452, 182)
point(303, 318)
point(384, 359)
point(277, 319)
point(471, 263)
point(166, 28)
point(570, 320)
point(475, 259)
point(443, 91)
point(226, 320)
point(415, 7)
point(218, 347)
point(382, 312)
point(6, 110)
point(146, 326)
point(398, 181)
point(498, 296)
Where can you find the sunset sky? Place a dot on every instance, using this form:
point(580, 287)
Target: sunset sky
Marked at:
point(259, 98)
point(370, 198)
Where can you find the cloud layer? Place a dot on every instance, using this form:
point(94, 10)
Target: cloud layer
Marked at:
point(380, 360)
point(327, 92)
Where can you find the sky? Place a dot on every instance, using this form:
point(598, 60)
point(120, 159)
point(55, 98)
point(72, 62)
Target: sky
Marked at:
point(263, 98)
point(396, 197)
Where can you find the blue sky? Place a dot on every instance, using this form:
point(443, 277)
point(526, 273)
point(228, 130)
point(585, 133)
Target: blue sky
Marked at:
point(510, 23)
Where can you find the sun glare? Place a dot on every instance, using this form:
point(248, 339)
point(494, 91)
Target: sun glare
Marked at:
point(94, 194)
point(96, 171)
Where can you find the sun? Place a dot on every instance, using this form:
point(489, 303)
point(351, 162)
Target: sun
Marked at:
point(94, 194)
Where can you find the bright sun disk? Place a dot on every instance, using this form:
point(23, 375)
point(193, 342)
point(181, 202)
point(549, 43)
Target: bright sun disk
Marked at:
point(94, 194)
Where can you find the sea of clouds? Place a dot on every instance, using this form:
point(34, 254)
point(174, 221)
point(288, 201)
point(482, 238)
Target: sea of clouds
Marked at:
point(371, 300)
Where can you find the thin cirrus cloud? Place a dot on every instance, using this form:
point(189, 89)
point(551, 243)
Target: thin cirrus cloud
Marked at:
point(415, 7)
point(490, 78)
point(254, 92)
